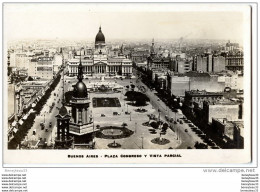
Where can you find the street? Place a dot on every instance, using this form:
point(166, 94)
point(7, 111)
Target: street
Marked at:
point(46, 117)
point(187, 139)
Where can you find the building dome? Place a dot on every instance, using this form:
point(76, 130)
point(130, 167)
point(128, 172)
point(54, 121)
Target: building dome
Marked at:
point(100, 38)
point(80, 90)
point(63, 111)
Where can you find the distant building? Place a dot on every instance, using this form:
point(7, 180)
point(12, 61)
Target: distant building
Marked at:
point(232, 80)
point(183, 66)
point(32, 68)
point(199, 97)
point(194, 81)
point(139, 56)
point(218, 63)
point(235, 62)
point(100, 64)
point(158, 62)
point(231, 46)
point(229, 131)
point(208, 63)
point(221, 109)
point(44, 68)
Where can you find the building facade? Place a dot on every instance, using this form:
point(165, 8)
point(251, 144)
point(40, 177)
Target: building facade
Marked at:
point(100, 63)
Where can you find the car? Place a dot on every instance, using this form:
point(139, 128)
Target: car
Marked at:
point(171, 120)
point(116, 113)
point(102, 115)
point(46, 130)
point(175, 122)
point(34, 132)
point(50, 124)
point(181, 122)
point(186, 130)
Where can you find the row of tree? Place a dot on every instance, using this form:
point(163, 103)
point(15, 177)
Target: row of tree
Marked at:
point(28, 123)
point(137, 98)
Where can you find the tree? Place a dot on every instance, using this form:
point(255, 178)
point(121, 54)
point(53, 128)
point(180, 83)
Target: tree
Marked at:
point(30, 78)
point(154, 125)
point(139, 98)
point(165, 127)
point(68, 96)
point(132, 87)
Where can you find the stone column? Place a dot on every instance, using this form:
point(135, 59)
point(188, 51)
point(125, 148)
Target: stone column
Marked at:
point(58, 129)
point(67, 127)
point(63, 133)
point(77, 116)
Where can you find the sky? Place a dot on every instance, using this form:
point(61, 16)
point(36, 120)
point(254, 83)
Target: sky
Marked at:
point(81, 21)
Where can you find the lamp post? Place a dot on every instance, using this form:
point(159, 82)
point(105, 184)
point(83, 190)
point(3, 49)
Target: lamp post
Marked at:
point(130, 116)
point(142, 142)
point(135, 126)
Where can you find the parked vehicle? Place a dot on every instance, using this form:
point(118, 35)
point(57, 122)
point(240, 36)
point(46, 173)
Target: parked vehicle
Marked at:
point(186, 130)
point(34, 132)
point(116, 113)
point(50, 124)
point(102, 115)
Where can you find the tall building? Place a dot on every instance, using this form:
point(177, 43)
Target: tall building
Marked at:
point(100, 64)
point(44, 68)
point(82, 121)
point(208, 63)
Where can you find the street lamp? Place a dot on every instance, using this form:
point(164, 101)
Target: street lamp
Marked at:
point(142, 142)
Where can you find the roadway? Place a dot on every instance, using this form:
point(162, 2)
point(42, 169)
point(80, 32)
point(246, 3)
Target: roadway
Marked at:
point(46, 117)
point(186, 139)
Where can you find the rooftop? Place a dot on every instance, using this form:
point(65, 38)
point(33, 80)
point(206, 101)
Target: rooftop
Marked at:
point(202, 92)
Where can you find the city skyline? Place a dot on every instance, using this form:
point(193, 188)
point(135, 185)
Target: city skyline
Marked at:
point(74, 22)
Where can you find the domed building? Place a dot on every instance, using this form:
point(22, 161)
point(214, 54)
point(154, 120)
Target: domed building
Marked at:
point(100, 44)
point(99, 63)
point(81, 120)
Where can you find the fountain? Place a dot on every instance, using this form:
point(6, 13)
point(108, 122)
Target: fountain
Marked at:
point(114, 145)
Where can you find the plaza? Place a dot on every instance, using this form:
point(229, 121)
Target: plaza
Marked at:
point(124, 113)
